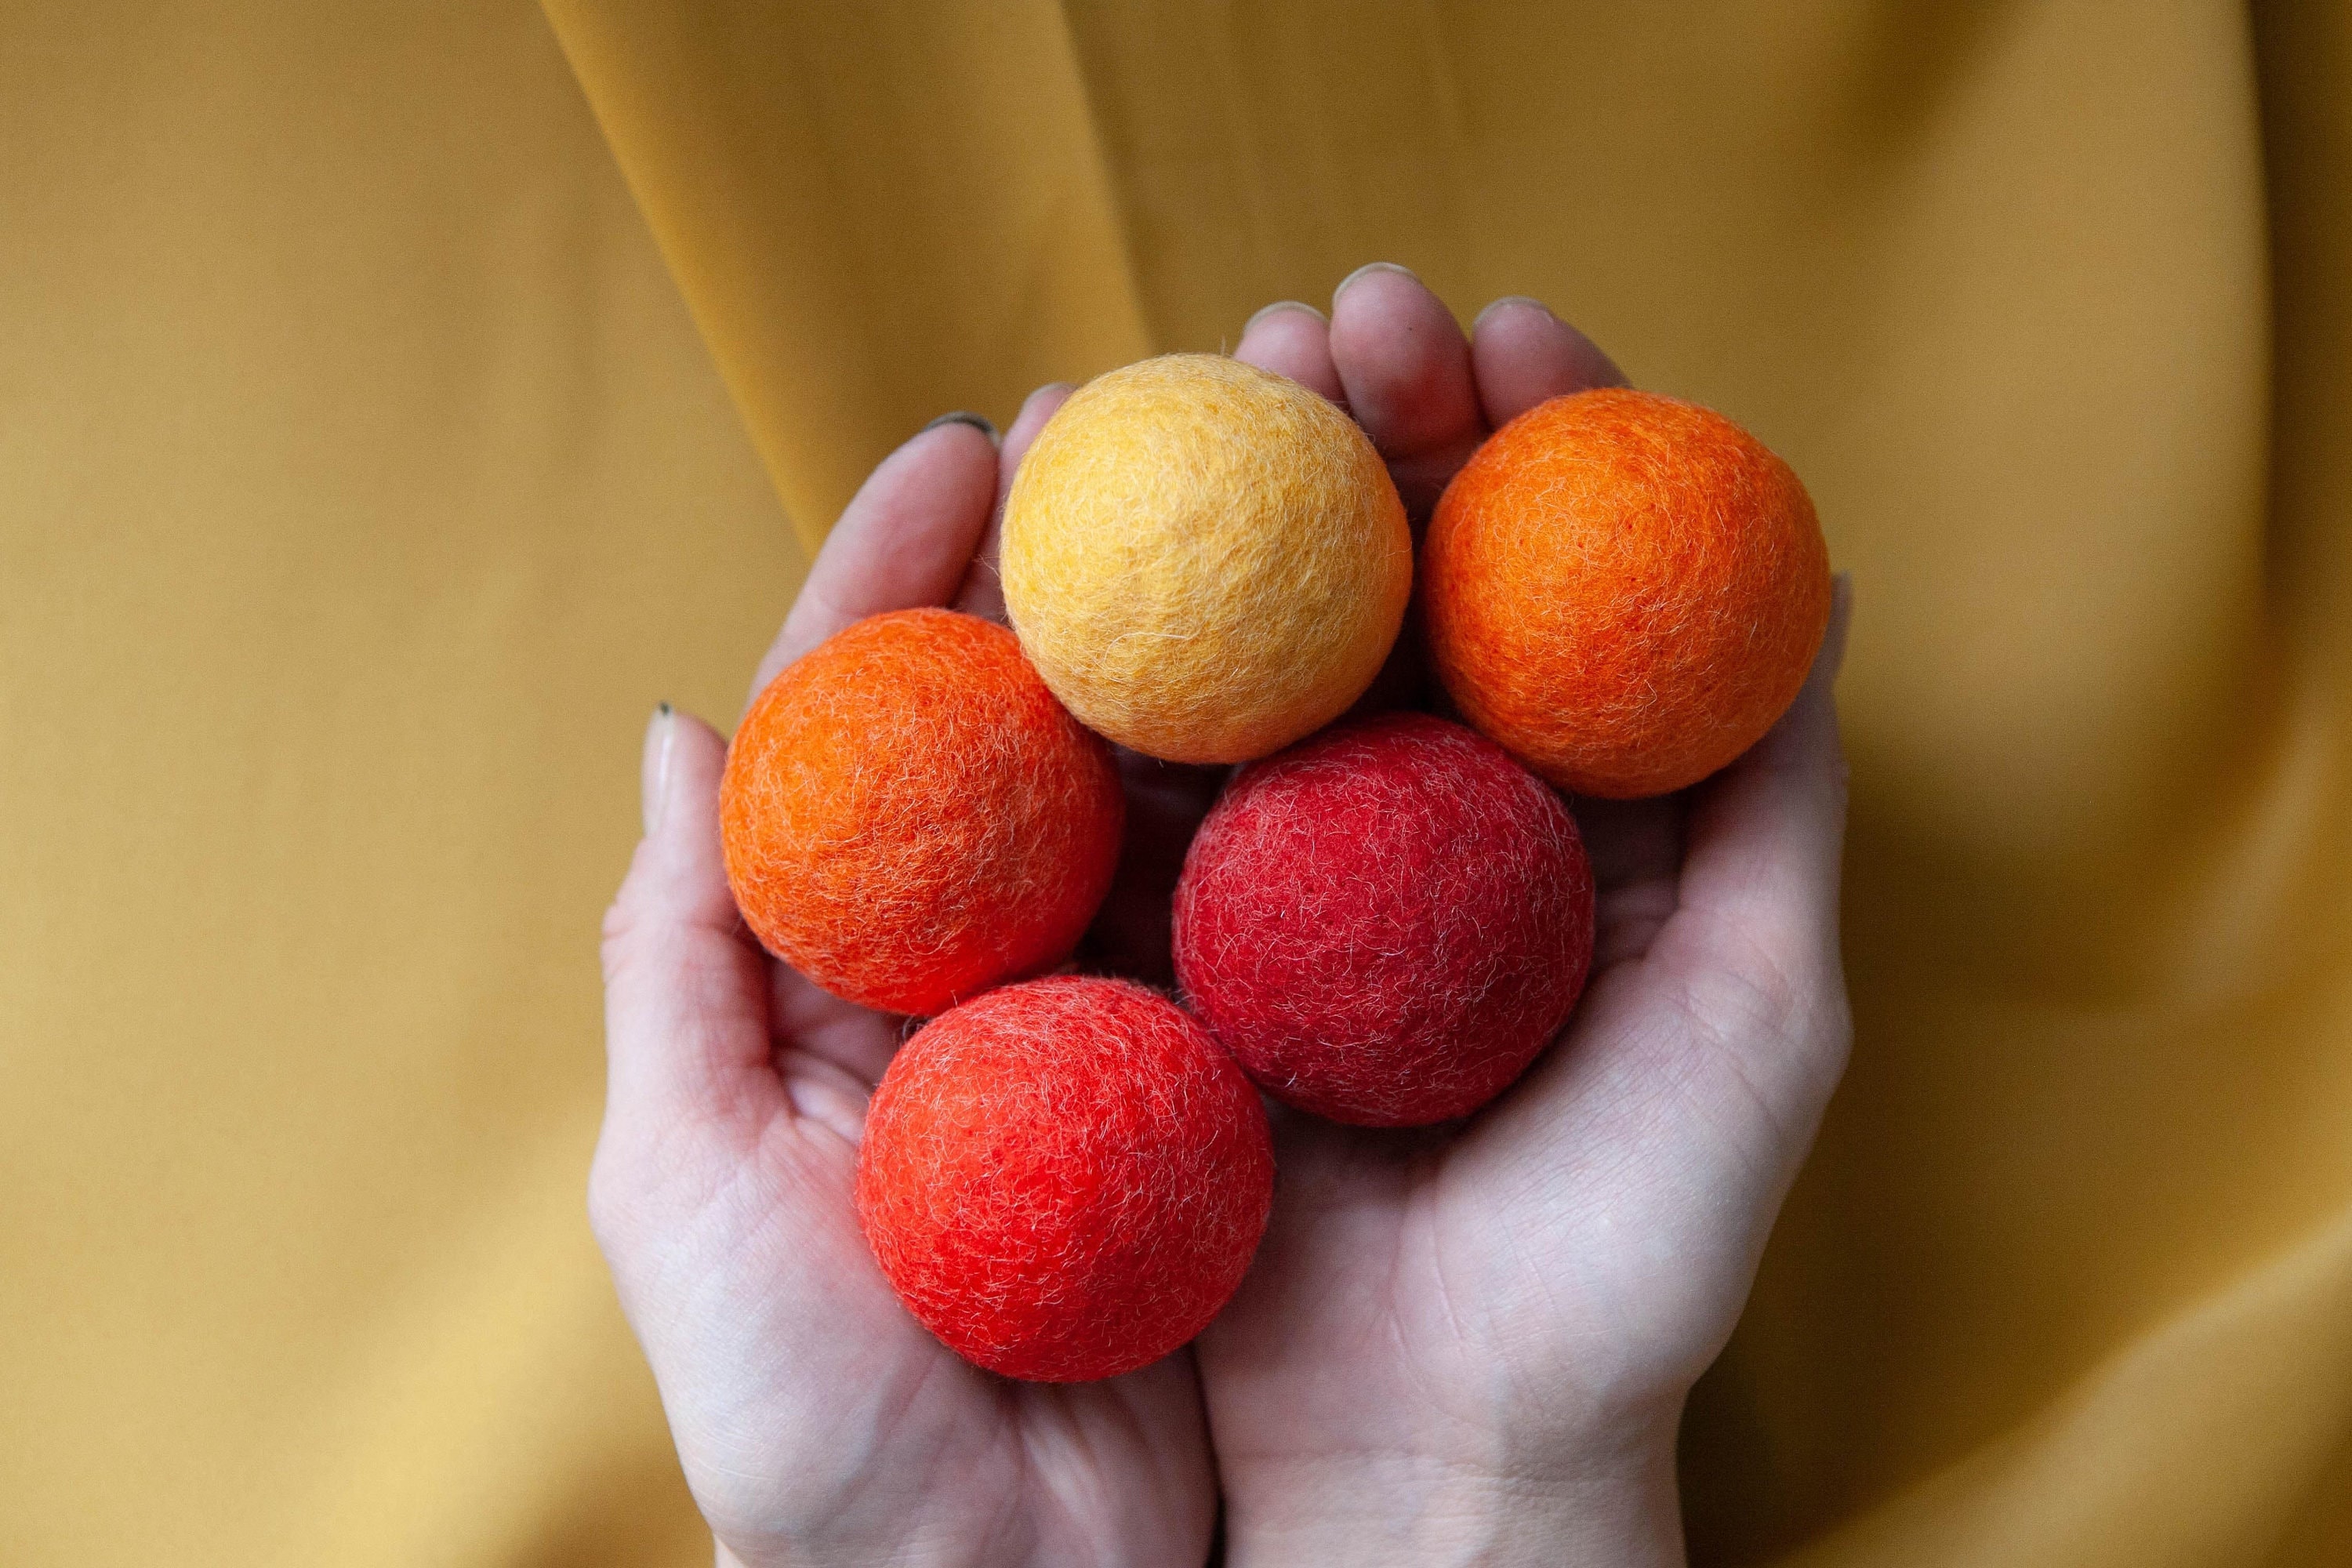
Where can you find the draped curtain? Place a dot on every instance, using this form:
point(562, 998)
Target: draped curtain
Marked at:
point(398, 398)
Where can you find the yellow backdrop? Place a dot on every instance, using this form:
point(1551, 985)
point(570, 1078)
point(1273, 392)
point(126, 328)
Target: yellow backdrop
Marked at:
point(372, 456)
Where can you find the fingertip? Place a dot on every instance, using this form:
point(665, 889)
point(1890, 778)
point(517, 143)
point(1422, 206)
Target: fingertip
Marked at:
point(1523, 354)
point(967, 441)
point(1371, 269)
point(1405, 368)
point(1403, 360)
point(1504, 303)
point(1036, 409)
point(685, 759)
point(678, 877)
point(906, 539)
point(1279, 308)
point(1293, 340)
point(982, 592)
point(964, 416)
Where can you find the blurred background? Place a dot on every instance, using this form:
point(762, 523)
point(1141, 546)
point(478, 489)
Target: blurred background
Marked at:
point(398, 398)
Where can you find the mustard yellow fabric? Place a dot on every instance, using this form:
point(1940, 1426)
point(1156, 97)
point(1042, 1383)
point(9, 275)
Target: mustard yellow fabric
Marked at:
point(371, 458)
point(363, 485)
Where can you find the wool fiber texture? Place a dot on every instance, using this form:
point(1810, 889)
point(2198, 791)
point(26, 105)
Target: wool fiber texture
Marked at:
point(910, 818)
point(1386, 923)
point(1625, 590)
point(1206, 561)
point(1065, 1179)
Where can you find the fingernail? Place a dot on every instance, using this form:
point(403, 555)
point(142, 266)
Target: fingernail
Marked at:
point(1051, 387)
point(962, 418)
point(653, 773)
point(1280, 305)
point(1513, 300)
point(1370, 266)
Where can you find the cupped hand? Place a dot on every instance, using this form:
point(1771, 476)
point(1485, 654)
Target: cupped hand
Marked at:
point(1473, 1343)
point(1469, 1342)
point(816, 1421)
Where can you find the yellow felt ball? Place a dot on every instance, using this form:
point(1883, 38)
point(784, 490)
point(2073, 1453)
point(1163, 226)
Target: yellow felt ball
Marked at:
point(1203, 560)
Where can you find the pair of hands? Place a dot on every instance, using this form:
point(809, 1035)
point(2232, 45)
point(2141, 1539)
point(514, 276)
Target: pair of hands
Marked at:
point(1466, 1344)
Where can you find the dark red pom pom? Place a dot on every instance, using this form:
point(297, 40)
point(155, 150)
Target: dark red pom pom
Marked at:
point(1065, 1179)
point(1387, 923)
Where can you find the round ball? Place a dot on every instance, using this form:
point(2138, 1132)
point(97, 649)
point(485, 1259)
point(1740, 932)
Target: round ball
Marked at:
point(1625, 590)
point(1386, 923)
point(1206, 561)
point(1064, 1180)
point(909, 818)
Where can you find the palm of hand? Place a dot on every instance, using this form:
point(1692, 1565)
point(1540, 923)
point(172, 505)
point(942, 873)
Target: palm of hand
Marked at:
point(1545, 1280)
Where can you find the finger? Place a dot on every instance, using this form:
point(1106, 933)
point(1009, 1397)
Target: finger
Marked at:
point(906, 539)
point(686, 999)
point(982, 594)
point(1766, 836)
point(1522, 353)
point(1406, 369)
point(1293, 340)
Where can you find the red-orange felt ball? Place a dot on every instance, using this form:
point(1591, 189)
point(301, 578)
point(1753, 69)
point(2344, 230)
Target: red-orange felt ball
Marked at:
point(1625, 590)
point(1386, 923)
point(910, 818)
point(1065, 1179)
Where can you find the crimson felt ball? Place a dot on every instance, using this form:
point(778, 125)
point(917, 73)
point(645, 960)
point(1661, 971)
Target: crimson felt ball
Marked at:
point(1387, 923)
point(1064, 1180)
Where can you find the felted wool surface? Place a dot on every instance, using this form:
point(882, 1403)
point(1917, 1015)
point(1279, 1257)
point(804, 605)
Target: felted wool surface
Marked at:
point(1065, 1179)
point(1206, 561)
point(1386, 923)
point(1625, 590)
point(909, 817)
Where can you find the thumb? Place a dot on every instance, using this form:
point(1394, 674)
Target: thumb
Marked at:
point(686, 990)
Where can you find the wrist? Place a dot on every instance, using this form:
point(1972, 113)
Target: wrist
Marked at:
point(1613, 1505)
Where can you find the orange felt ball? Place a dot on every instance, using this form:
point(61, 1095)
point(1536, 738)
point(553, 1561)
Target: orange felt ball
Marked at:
point(1625, 590)
point(910, 818)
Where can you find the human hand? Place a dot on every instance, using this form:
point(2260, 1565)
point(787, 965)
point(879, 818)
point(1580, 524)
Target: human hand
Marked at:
point(817, 1422)
point(1352, 1410)
point(1474, 1342)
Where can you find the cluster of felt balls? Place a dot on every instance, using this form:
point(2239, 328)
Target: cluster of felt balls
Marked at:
point(1386, 916)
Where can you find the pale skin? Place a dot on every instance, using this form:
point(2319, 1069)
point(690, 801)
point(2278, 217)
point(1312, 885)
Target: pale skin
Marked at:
point(1465, 1344)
